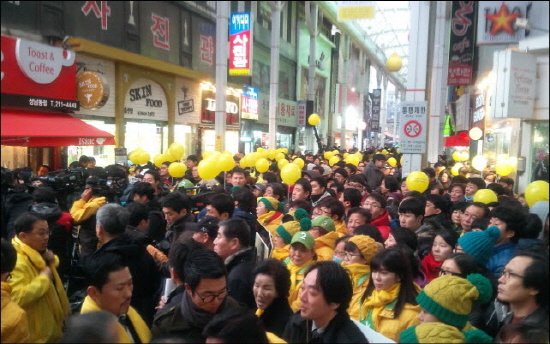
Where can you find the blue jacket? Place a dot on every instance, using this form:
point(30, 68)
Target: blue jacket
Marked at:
point(502, 254)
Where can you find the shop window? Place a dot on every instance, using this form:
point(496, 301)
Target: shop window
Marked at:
point(539, 157)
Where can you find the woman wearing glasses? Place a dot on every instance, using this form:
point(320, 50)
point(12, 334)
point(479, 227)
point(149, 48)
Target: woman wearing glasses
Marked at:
point(388, 305)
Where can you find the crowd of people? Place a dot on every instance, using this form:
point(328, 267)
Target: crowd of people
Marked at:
point(346, 254)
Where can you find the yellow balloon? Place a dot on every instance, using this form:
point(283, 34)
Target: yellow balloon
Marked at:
point(244, 162)
point(290, 173)
point(227, 152)
point(253, 158)
point(159, 159)
point(465, 156)
point(384, 152)
point(226, 162)
point(335, 151)
point(271, 153)
point(456, 167)
point(285, 150)
point(133, 157)
point(328, 155)
point(457, 156)
point(279, 156)
point(536, 191)
point(177, 169)
point(352, 159)
point(314, 119)
point(417, 181)
point(260, 149)
point(485, 196)
point(177, 150)
point(207, 154)
point(207, 169)
point(299, 162)
point(281, 163)
point(333, 160)
point(504, 168)
point(392, 162)
point(262, 165)
point(143, 157)
point(479, 162)
point(346, 155)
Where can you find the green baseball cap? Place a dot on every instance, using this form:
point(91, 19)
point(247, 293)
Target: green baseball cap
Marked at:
point(324, 222)
point(303, 238)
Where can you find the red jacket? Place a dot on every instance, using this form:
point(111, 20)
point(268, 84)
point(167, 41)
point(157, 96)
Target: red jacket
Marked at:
point(383, 224)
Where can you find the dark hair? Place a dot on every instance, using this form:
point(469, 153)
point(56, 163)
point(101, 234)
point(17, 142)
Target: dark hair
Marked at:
point(339, 240)
point(278, 190)
point(449, 235)
point(357, 178)
point(336, 207)
point(361, 211)
point(480, 183)
point(277, 270)
point(536, 275)
point(91, 327)
point(352, 167)
point(154, 173)
point(378, 197)
point(514, 221)
point(203, 263)
point(510, 203)
point(439, 202)
point(237, 325)
point(305, 184)
point(353, 196)
point(378, 157)
point(237, 228)
point(319, 169)
point(176, 201)
point(466, 263)
point(341, 171)
point(506, 180)
point(417, 195)
point(113, 218)
point(391, 183)
point(301, 203)
point(459, 206)
point(270, 177)
point(481, 223)
point(192, 158)
point(369, 230)
point(83, 158)
point(239, 170)
point(223, 203)
point(533, 226)
point(100, 265)
point(405, 237)
point(179, 252)
point(321, 181)
point(25, 222)
point(9, 256)
point(497, 189)
point(43, 194)
point(413, 206)
point(143, 189)
point(339, 187)
point(335, 283)
point(247, 200)
point(462, 186)
point(138, 212)
point(393, 259)
point(429, 171)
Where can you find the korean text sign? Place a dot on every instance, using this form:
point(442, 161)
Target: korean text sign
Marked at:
point(240, 44)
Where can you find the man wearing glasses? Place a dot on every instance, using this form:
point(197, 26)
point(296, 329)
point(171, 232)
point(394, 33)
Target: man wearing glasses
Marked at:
point(205, 296)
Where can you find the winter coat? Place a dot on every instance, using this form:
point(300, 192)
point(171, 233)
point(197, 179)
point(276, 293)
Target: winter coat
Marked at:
point(44, 300)
point(341, 329)
point(84, 215)
point(249, 218)
point(324, 245)
point(315, 199)
point(373, 175)
point(276, 316)
point(145, 274)
point(139, 325)
point(157, 225)
point(239, 277)
point(15, 327)
point(360, 276)
point(383, 224)
point(174, 231)
point(498, 314)
point(16, 203)
point(502, 254)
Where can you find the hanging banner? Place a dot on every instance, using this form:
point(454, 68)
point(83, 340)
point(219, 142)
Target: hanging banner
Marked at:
point(461, 54)
point(374, 123)
point(495, 24)
point(249, 103)
point(350, 10)
point(240, 44)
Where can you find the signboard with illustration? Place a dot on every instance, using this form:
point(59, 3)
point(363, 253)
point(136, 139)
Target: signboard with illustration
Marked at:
point(412, 127)
point(96, 79)
point(461, 47)
point(495, 23)
point(145, 99)
point(188, 95)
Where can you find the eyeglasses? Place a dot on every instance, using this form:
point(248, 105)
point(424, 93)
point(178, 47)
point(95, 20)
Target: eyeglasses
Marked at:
point(355, 185)
point(372, 205)
point(348, 255)
point(448, 273)
point(340, 254)
point(326, 212)
point(508, 273)
point(210, 298)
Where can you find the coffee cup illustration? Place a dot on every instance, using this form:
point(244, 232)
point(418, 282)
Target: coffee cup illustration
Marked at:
point(40, 62)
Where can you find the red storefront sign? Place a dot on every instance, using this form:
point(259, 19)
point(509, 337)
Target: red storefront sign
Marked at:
point(240, 44)
point(38, 75)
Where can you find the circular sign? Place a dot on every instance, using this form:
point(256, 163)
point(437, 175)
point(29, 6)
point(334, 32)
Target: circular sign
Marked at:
point(412, 128)
point(93, 90)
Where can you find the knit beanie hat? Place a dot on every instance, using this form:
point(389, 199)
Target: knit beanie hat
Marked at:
point(366, 245)
point(288, 229)
point(270, 203)
point(431, 332)
point(480, 244)
point(450, 298)
point(324, 222)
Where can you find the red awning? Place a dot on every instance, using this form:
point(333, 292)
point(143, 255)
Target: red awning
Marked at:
point(457, 141)
point(47, 129)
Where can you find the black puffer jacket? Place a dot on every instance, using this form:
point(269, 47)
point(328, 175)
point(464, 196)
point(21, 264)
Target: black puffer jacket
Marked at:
point(239, 277)
point(17, 202)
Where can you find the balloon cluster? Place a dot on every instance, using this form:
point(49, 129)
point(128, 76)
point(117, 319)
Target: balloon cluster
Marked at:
point(333, 158)
point(461, 156)
point(172, 154)
point(214, 163)
point(139, 156)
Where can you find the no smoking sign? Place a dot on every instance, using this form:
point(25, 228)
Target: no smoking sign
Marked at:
point(412, 128)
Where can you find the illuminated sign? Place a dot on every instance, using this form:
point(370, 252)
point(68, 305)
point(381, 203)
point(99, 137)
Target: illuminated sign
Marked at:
point(249, 103)
point(240, 44)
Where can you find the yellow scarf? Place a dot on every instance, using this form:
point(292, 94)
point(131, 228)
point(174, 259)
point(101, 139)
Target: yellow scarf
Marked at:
point(60, 307)
point(296, 276)
point(259, 312)
point(358, 272)
point(377, 301)
point(281, 253)
point(262, 219)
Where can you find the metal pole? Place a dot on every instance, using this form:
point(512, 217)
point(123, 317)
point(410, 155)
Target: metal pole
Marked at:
point(344, 88)
point(312, 14)
point(222, 28)
point(276, 7)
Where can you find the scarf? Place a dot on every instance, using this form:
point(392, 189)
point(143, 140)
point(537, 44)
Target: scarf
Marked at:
point(430, 267)
point(359, 273)
point(376, 303)
point(195, 315)
point(266, 218)
point(280, 253)
point(59, 305)
point(296, 276)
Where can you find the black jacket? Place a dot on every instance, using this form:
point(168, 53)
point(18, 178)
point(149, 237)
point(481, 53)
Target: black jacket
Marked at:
point(239, 278)
point(498, 314)
point(251, 220)
point(373, 175)
point(145, 274)
point(340, 329)
point(17, 202)
point(276, 316)
point(157, 225)
point(174, 231)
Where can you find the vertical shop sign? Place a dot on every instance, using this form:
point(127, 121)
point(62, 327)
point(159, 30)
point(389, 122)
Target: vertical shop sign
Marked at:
point(412, 127)
point(461, 52)
point(249, 103)
point(240, 44)
point(161, 31)
point(103, 11)
point(301, 113)
point(376, 97)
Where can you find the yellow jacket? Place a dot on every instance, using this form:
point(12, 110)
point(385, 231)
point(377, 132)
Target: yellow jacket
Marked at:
point(15, 327)
point(141, 328)
point(360, 276)
point(82, 210)
point(341, 227)
point(281, 253)
point(324, 245)
point(44, 300)
point(380, 304)
point(296, 277)
point(271, 221)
